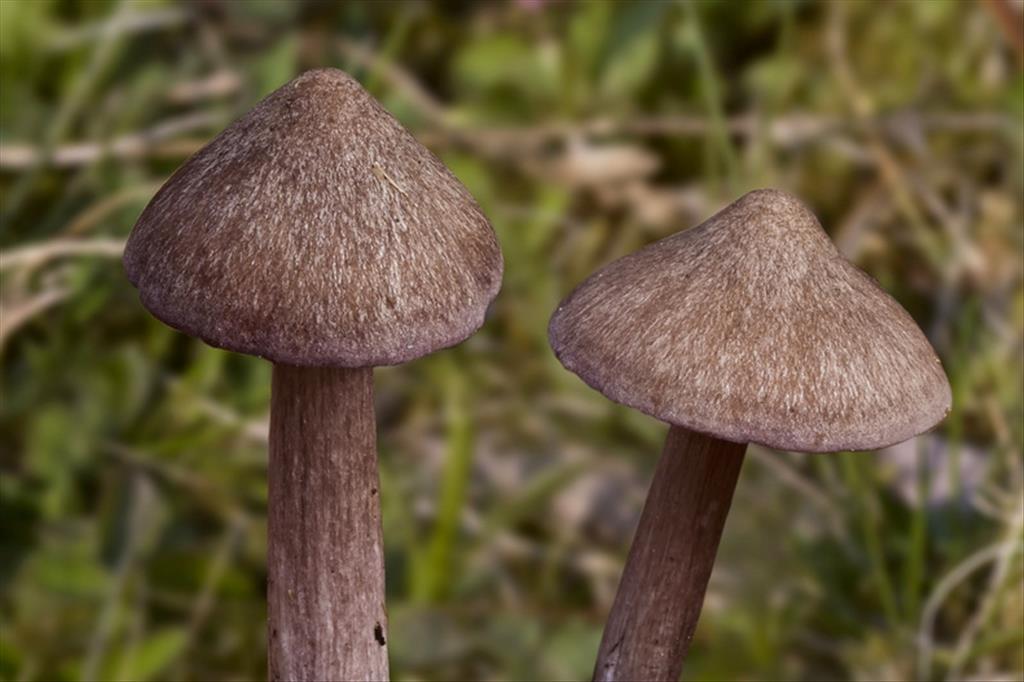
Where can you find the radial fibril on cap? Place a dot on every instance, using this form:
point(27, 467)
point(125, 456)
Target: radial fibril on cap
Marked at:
point(753, 328)
point(316, 230)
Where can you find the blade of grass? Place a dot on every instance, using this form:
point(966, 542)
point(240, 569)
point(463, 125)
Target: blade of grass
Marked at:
point(432, 579)
point(929, 615)
point(393, 43)
point(710, 87)
point(917, 539)
point(851, 466)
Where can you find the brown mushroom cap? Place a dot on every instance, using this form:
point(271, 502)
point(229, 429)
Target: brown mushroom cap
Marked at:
point(752, 327)
point(316, 230)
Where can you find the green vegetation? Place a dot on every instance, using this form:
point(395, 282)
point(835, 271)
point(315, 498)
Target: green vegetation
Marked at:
point(132, 464)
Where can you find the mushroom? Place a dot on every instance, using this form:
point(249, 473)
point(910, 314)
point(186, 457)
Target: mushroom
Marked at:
point(317, 233)
point(750, 328)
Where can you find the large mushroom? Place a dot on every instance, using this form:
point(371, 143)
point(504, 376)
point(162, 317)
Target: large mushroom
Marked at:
point(750, 328)
point(317, 233)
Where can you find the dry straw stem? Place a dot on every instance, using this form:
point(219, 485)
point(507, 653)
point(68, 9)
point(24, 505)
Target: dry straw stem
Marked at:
point(124, 22)
point(16, 309)
point(14, 316)
point(33, 256)
point(161, 139)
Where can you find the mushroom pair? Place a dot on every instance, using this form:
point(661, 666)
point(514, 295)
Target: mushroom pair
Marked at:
point(316, 232)
point(750, 328)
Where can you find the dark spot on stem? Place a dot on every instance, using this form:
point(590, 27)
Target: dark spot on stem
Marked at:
point(378, 634)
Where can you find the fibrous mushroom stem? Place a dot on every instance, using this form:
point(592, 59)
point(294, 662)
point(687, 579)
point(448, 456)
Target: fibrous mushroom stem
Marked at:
point(655, 611)
point(325, 587)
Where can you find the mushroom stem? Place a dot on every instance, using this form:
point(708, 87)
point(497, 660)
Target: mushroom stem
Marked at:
point(325, 587)
point(655, 611)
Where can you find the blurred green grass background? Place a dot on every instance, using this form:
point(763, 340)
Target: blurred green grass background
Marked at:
point(132, 468)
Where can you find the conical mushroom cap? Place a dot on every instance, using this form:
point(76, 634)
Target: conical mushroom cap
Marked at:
point(751, 327)
point(316, 230)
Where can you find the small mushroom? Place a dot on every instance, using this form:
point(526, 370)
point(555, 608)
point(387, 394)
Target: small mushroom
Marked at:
point(750, 328)
point(316, 232)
